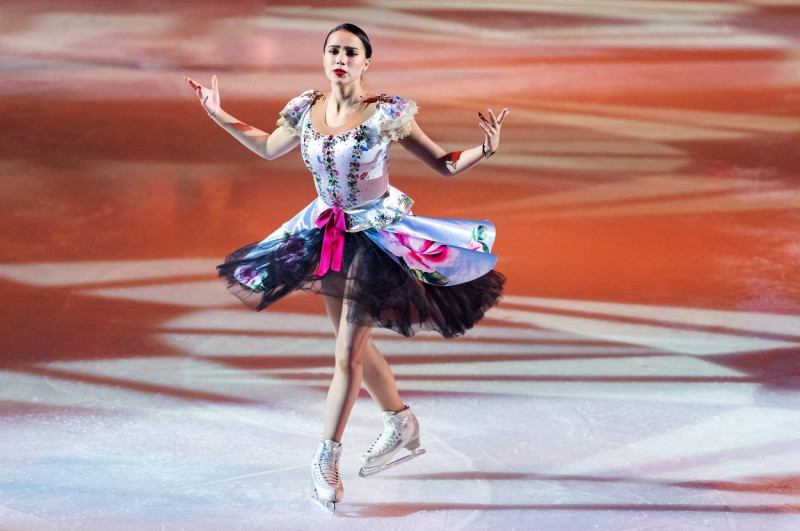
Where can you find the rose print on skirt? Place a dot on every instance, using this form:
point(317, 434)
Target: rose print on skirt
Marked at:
point(478, 240)
point(250, 277)
point(420, 257)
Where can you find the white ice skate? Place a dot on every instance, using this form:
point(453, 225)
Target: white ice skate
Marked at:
point(328, 489)
point(400, 430)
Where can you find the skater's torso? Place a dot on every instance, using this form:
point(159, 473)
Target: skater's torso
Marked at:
point(350, 163)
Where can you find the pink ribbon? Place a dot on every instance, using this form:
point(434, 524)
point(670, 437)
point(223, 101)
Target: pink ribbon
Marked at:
point(335, 223)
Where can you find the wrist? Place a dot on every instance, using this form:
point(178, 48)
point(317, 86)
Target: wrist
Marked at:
point(222, 118)
point(486, 154)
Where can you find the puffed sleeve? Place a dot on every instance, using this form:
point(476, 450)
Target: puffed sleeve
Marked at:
point(292, 115)
point(396, 116)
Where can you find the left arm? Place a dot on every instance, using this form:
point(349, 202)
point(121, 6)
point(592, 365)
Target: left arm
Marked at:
point(450, 164)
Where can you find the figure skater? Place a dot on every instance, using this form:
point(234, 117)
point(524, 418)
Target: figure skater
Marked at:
point(359, 245)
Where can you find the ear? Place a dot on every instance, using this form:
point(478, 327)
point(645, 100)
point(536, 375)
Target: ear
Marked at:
point(366, 64)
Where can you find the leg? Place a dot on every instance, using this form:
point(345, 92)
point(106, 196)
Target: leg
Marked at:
point(379, 380)
point(351, 340)
point(377, 375)
point(349, 352)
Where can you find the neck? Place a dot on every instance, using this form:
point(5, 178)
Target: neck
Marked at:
point(347, 95)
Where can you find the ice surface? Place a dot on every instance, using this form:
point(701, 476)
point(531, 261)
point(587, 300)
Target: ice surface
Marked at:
point(643, 372)
point(206, 441)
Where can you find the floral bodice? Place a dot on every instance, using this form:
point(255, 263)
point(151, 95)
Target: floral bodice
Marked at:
point(350, 169)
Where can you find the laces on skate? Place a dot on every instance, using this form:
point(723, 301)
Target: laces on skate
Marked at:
point(400, 430)
point(325, 479)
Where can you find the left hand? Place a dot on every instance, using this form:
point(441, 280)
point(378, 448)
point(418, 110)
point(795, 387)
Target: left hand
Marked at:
point(491, 128)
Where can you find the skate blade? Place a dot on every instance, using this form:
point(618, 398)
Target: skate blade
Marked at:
point(328, 506)
point(371, 471)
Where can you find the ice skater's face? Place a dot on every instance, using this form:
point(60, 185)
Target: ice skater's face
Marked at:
point(345, 58)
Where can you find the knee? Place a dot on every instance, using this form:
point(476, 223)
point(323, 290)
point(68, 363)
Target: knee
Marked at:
point(349, 358)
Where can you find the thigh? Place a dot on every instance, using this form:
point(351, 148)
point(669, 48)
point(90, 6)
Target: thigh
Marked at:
point(333, 307)
point(352, 338)
point(352, 332)
point(338, 311)
point(337, 305)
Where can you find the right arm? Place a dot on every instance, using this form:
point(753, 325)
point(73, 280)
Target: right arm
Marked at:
point(266, 145)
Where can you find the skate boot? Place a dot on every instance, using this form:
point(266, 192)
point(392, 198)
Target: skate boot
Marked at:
point(328, 489)
point(400, 430)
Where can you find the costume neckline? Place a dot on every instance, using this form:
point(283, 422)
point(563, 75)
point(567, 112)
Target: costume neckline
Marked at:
point(344, 132)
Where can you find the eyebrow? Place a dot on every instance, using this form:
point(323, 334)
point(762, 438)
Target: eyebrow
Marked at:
point(345, 47)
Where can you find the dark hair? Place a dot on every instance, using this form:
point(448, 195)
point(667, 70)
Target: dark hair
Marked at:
point(355, 30)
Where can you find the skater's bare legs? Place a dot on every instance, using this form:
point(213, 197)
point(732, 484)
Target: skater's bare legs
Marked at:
point(379, 380)
point(376, 373)
point(357, 360)
point(351, 340)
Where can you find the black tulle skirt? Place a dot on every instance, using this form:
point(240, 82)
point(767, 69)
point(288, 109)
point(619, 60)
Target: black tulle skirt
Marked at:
point(376, 289)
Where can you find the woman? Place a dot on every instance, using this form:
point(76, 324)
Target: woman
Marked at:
point(358, 244)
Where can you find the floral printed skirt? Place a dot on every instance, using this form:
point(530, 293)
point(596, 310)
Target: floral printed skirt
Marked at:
point(415, 273)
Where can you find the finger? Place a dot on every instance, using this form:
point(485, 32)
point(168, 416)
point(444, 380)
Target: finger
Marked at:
point(214, 83)
point(489, 131)
point(488, 121)
point(502, 116)
point(191, 82)
point(485, 129)
point(492, 117)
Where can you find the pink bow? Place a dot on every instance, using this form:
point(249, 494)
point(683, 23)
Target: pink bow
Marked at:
point(335, 223)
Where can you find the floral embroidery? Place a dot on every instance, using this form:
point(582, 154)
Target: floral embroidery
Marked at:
point(292, 115)
point(353, 176)
point(305, 149)
point(384, 219)
point(349, 168)
point(397, 114)
point(386, 211)
point(329, 162)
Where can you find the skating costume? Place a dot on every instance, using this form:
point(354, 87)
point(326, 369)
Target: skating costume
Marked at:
point(358, 240)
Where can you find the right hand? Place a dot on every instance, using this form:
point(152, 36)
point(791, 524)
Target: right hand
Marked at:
point(209, 97)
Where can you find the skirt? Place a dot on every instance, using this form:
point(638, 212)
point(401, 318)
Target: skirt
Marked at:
point(406, 273)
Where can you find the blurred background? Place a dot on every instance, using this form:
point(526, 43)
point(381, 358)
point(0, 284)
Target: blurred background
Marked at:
point(644, 363)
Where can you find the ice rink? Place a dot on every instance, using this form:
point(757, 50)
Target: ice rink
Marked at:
point(642, 372)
